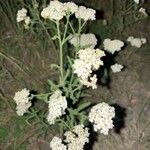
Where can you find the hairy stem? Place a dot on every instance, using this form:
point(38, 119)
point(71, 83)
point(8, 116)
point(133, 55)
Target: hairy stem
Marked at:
point(61, 52)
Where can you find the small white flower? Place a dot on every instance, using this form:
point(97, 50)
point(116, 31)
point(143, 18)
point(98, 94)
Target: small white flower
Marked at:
point(112, 45)
point(22, 100)
point(21, 14)
point(56, 144)
point(70, 7)
point(143, 11)
point(91, 82)
point(55, 11)
point(85, 40)
point(27, 20)
point(77, 138)
point(57, 106)
point(46, 13)
point(137, 1)
point(85, 13)
point(101, 116)
point(137, 42)
point(22, 108)
point(143, 40)
point(105, 22)
point(116, 67)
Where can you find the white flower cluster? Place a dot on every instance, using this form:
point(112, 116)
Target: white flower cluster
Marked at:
point(22, 100)
point(54, 11)
point(77, 138)
point(85, 40)
point(70, 7)
point(56, 144)
point(57, 10)
point(101, 116)
point(88, 61)
point(112, 45)
point(116, 67)
point(137, 1)
point(57, 106)
point(85, 13)
point(22, 16)
point(137, 42)
point(143, 11)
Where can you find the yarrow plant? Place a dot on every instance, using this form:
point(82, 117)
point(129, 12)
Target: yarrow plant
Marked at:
point(76, 72)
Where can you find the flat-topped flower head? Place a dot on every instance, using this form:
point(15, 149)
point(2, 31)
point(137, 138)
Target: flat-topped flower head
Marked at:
point(85, 13)
point(54, 11)
point(137, 1)
point(116, 67)
point(70, 7)
point(57, 106)
point(101, 116)
point(22, 100)
point(77, 138)
point(85, 40)
point(56, 144)
point(88, 60)
point(136, 42)
point(21, 15)
point(143, 11)
point(112, 45)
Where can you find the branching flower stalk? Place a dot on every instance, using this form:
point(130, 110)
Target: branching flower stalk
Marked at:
point(60, 52)
point(76, 72)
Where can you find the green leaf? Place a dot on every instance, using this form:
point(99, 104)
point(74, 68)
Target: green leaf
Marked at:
point(67, 74)
point(43, 97)
point(72, 117)
point(70, 61)
point(78, 94)
point(55, 66)
point(53, 86)
point(82, 118)
point(83, 106)
point(72, 97)
point(55, 37)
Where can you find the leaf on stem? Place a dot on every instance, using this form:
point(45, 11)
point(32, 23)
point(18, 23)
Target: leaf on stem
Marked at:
point(83, 106)
point(70, 61)
point(55, 66)
point(55, 37)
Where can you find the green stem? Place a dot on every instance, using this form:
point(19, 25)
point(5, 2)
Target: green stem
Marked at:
point(38, 95)
point(61, 52)
point(83, 25)
point(66, 27)
point(72, 28)
point(129, 7)
point(66, 125)
point(77, 47)
point(38, 118)
point(78, 88)
point(78, 35)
